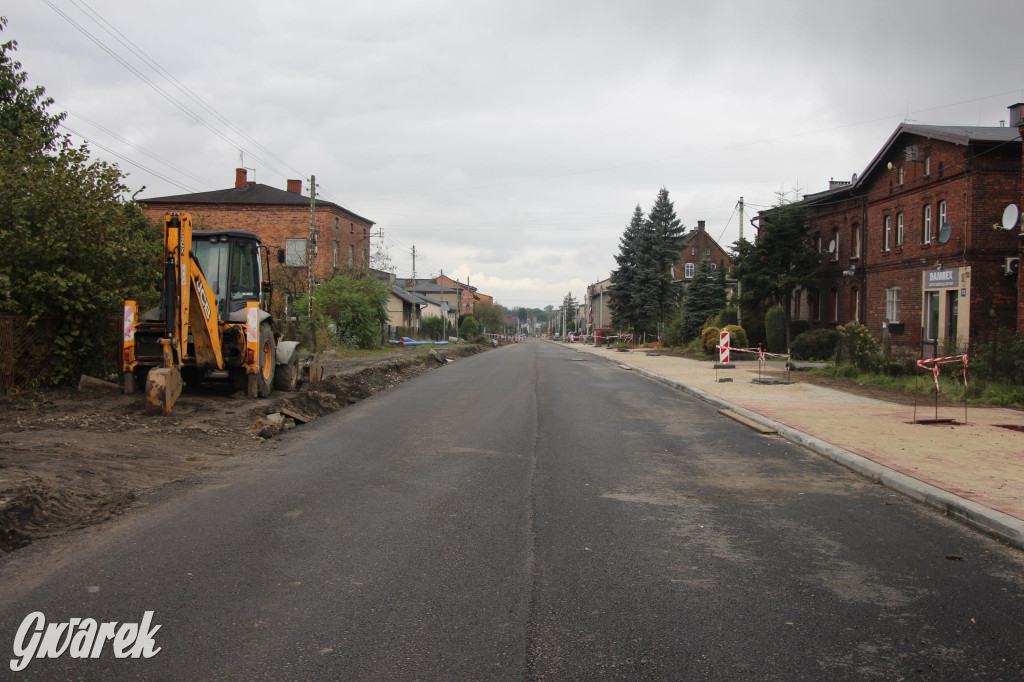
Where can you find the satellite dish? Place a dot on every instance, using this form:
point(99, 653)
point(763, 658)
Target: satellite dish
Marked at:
point(1010, 217)
point(945, 232)
point(832, 246)
point(853, 179)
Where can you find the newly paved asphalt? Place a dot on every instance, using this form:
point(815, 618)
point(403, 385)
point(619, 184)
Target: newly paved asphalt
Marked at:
point(533, 513)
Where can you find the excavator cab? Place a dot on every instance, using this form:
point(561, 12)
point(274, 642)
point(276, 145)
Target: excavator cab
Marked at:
point(230, 260)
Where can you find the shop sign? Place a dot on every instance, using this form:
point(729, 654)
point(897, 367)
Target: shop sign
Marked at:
point(942, 279)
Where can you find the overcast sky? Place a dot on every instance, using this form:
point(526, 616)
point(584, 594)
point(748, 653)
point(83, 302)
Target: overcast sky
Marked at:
point(510, 141)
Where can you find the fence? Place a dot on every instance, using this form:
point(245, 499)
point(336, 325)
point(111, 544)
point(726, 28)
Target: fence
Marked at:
point(28, 358)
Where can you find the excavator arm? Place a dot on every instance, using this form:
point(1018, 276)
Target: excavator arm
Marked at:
point(189, 308)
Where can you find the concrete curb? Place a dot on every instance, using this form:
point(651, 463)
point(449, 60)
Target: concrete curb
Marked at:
point(1007, 528)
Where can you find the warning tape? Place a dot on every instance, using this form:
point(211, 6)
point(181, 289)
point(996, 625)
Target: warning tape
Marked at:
point(934, 363)
point(761, 353)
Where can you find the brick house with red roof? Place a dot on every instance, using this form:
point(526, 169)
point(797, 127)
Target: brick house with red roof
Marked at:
point(281, 218)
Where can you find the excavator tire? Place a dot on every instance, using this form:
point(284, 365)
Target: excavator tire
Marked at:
point(267, 358)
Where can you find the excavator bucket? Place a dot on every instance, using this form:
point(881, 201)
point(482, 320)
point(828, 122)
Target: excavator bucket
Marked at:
point(163, 386)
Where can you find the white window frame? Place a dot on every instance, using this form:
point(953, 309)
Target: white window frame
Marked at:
point(835, 241)
point(688, 271)
point(899, 229)
point(295, 253)
point(888, 233)
point(927, 166)
point(335, 253)
point(926, 228)
point(942, 213)
point(901, 175)
point(892, 304)
point(856, 241)
point(351, 255)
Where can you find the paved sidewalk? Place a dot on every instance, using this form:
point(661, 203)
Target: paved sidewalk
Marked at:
point(972, 471)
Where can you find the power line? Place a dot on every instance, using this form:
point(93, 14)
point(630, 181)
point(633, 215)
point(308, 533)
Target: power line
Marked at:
point(155, 87)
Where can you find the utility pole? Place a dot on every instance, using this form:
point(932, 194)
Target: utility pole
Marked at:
point(414, 261)
point(739, 288)
point(311, 259)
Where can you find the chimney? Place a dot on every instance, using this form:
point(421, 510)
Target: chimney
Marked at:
point(700, 225)
point(1016, 113)
point(295, 186)
point(240, 177)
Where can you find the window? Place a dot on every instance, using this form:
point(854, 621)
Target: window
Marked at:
point(817, 241)
point(351, 228)
point(714, 266)
point(892, 304)
point(835, 305)
point(855, 240)
point(351, 254)
point(707, 251)
point(834, 244)
point(855, 304)
point(364, 262)
point(337, 223)
point(295, 253)
point(899, 229)
point(926, 225)
point(693, 250)
point(888, 233)
point(927, 166)
point(901, 176)
point(942, 213)
point(335, 253)
point(688, 271)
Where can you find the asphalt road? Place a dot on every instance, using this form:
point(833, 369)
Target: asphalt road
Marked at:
point(531, 513)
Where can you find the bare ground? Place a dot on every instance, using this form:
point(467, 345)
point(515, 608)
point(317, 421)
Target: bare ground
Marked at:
point(70, 458)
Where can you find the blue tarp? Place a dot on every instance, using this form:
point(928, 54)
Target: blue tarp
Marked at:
point(406, 341)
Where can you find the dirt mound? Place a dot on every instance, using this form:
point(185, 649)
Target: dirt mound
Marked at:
point(70, 459)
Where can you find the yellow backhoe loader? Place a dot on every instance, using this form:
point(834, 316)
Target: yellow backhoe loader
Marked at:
point(213, 318)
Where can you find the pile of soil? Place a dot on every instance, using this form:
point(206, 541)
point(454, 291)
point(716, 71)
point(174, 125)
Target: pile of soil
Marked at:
point(70, 458)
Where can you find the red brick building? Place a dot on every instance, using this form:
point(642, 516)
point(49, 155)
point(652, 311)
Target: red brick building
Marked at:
point(913, 248)
point(281, 218)
point(697, 246)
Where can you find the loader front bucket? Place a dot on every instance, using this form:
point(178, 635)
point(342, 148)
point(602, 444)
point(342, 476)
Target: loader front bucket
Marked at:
point(163, 386)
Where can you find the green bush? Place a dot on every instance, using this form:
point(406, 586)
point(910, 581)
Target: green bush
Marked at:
point(858, 346)
point(354, 309)
point(798, 327)
point(737, 336)
point(817, 344)
point(470, 327)
point(709, 339)
point(775, 329)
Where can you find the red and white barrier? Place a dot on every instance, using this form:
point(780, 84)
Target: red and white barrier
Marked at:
point(723, 347)
point(934, 363)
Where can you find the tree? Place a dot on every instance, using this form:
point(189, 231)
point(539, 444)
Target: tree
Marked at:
point(667, 233)
point(643, 293)
point(703, 297)
point(490, 316)
point(782, 259)
point(569, 308)
point(72, 247)
point(353, 310)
